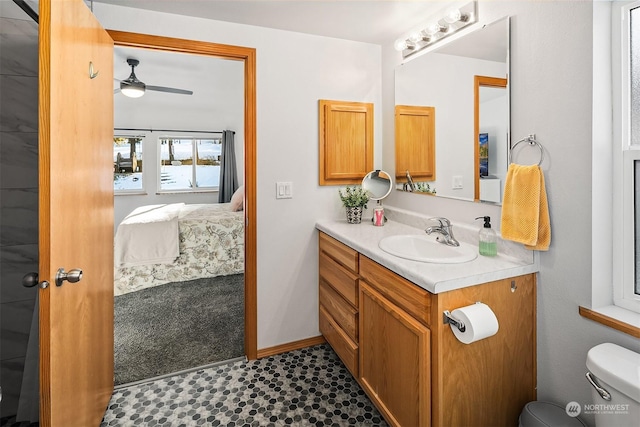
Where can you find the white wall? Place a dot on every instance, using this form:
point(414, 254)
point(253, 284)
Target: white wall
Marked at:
point(294, 71)
point(552, 88)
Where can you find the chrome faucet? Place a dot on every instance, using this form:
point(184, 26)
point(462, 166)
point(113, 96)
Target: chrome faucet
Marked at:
point(445, 229)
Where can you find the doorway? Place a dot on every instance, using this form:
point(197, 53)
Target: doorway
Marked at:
point(186, 311)
point(247, 57)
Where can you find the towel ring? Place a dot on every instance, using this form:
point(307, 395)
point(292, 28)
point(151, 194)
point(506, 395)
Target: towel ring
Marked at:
point(532, 141)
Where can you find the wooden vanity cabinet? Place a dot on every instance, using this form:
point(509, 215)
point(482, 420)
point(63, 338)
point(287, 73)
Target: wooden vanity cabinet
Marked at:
point(338, 294)
point(409, 362)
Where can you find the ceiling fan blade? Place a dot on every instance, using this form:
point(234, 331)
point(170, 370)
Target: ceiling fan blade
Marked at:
point(170, 90)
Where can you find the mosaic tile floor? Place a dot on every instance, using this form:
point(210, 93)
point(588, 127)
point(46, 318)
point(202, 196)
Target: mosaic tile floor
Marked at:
point(308, 387)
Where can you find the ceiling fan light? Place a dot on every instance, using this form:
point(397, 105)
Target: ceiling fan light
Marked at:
point(132, 89)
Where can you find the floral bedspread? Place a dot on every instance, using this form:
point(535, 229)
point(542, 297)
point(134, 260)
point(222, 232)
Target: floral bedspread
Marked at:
point(211, 244)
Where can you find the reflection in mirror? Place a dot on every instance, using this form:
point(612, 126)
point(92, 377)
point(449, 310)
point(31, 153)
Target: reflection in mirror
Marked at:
point(377, 184)
point(445, 80)
point(491, 112)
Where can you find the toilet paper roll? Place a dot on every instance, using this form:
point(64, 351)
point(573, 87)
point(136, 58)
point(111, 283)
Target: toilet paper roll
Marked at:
point(479, 320)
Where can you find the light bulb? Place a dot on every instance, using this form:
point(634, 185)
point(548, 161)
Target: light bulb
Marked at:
point(416, 37)
point(452, 16)
point(401, 44)
point(433, 29)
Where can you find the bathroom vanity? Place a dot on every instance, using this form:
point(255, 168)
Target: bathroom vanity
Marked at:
point(383, 316)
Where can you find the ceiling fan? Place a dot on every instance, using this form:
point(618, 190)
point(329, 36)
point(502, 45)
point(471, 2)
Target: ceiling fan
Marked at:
point(134, 88)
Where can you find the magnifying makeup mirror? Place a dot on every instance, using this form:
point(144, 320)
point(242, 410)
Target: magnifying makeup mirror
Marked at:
point(378, 185)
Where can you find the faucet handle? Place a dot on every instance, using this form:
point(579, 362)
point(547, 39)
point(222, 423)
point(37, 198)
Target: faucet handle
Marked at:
point(444, 222)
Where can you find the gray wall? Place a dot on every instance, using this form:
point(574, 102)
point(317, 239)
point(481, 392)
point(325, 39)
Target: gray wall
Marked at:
point(18, 193)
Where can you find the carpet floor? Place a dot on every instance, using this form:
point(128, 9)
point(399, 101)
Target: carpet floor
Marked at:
point(177, 326)
point(308, 387)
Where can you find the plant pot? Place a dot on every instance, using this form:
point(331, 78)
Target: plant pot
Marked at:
point(354, 215)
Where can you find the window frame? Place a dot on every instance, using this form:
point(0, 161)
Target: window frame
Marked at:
point(625, 154)
point(194, 165)
point(139, 191)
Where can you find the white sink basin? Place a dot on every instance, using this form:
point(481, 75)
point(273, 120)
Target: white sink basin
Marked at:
point(426, 249)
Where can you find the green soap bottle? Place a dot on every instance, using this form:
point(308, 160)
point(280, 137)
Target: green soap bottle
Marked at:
point(488, 239)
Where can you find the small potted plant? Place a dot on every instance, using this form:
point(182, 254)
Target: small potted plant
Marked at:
point(354, 200)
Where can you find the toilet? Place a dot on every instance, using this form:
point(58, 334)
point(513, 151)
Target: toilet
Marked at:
point(614, 372)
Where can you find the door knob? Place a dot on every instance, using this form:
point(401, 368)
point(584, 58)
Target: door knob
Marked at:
point(72, 276)
point(30, 280)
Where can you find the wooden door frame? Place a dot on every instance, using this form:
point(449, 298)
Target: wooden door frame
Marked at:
point(479, 81)
point(248, 56)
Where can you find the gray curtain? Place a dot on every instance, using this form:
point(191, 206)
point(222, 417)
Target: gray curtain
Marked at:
point(228, 171)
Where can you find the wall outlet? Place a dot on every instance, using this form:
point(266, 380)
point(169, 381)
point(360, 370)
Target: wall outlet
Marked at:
point(457, 182)
point(284, 190)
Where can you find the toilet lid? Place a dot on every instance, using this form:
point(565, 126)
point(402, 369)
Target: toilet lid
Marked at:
point(545, 414)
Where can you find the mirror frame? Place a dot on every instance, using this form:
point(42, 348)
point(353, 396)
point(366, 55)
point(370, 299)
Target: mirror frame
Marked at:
point(369, 178)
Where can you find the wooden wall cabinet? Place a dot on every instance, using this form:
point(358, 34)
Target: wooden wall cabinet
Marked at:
point(415, 142)
point(345, 141)
point(409, 362)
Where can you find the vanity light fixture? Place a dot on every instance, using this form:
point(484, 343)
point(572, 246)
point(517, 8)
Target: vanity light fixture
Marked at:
point(450, 22)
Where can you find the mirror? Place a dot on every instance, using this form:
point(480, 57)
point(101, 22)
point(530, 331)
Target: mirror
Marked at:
point(377, 184)
point(465, 84)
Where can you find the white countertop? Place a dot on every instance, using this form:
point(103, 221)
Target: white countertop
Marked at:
point(435, 278)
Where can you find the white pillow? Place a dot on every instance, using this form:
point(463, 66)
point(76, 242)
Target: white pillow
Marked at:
point(237, 200)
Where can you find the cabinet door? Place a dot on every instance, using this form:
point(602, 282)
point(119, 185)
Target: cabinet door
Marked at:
point(394, 360)
point(346, 141)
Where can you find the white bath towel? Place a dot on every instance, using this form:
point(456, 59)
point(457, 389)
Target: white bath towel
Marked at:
point(148, 235)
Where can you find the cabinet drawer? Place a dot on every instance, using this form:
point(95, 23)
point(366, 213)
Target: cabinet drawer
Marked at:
point(342, 312)
point(340, 252)
point(402, 292)
point(346, 349)
point(342, 280)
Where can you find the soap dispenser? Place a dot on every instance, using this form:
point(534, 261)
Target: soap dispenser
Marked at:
point(488, 240)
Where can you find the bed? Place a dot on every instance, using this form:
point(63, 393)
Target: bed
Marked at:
point(159, 244)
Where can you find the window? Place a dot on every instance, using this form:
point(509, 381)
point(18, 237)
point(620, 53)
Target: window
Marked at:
point(627, 243)
point(127, 164)
point(189, 164)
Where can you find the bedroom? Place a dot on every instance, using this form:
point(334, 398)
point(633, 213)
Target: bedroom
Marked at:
point(163, 222)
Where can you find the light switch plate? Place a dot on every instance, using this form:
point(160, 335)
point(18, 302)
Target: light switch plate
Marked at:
point(284, 190)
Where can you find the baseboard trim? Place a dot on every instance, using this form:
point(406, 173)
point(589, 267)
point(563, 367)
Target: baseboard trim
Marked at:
point(295, 345)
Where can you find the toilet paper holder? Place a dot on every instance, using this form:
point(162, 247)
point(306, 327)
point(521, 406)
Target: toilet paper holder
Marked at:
point(448, 319)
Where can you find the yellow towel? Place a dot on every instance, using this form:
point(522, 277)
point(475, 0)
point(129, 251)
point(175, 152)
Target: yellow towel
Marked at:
point(525, 213)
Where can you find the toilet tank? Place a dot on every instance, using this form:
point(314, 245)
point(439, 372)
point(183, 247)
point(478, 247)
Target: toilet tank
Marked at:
point(616, 370)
